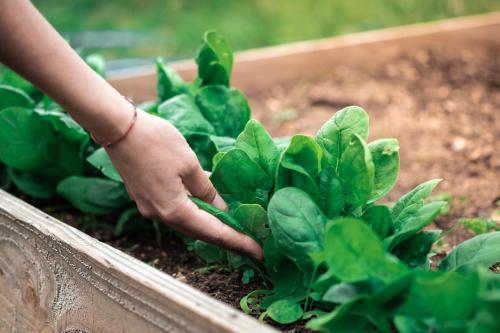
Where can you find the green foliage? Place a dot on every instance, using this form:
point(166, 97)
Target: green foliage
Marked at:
point(480, 226)
point(332, 252)
point(480, 251)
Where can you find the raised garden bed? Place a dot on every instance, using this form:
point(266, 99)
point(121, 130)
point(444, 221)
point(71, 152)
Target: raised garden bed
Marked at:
point(404, 77)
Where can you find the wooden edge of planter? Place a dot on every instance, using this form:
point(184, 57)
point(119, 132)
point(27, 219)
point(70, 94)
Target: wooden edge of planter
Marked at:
point(54, 278)
point(256, 70)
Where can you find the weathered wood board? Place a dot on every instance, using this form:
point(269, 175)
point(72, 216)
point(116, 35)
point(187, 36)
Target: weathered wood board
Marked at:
point(258, 70)
point(54, 278)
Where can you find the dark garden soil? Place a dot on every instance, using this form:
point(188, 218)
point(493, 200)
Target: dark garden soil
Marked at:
point(444, 108)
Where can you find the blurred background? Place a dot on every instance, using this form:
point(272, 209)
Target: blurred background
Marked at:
point(133, 32)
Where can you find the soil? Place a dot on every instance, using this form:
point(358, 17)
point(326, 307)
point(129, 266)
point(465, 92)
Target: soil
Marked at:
point(443, 107)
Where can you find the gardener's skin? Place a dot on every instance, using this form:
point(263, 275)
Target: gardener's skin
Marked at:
point(154, 159)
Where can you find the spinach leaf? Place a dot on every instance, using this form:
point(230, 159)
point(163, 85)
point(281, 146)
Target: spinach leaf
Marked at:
point(297, 225)
point(34, 184)
point(184, 114)
point(379, 219)
point(26, 141)
point(412, 201)
point(335, 135)
point(208, 252)
point(239, 180)
point(331, 193)
point(479, 251)
point(214, 59)
point(414, 223)
point(354, 253)
point(168, 83)
point(221, 215)
point(385, 156)
point(72, 141)
point(456, 294)
point(225, 108)
point(299, 165)
point(285, 311)
point(93, 195)
point(14, 97)
point(254, 218)
point(203, 146)
point(100, 159)
point(356, 172)
point(414, 250)
point(260, 147)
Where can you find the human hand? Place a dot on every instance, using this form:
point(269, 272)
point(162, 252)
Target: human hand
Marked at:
point(159, 168)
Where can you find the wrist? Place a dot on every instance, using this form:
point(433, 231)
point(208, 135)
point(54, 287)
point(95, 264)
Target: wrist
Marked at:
point(113, 123)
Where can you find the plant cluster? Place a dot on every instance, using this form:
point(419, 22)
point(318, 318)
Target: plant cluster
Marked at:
point(333, 254)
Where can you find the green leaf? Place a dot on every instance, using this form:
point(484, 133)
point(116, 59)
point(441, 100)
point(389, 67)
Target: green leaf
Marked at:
point(454, 293)
point(97, 63)
point(26, 141)
point(260, 147)
point(412, 201)
point(353, 252)
point(72, 141)
point(332, 195)
point(168, 82)
point(225, 108)
point(297, 225)
point(222, 143)
point(385, 156)
point(14, 80)
point(93, 195)
point(379, 219)
point(239, 180)
point(203, 146)
point(221, 215)
point(100, 159)
point(479, 251)
point(254, 218)
point(299, 165)
point(208, 252)
point(132, 222)
point(414, 250)
point(285, 311)
point(184, 114)
point(247, 276)
point(14, 97)
point(335, 135)
point(34, 184)
point(356, 172)
point(414, 223)
point(214, 59)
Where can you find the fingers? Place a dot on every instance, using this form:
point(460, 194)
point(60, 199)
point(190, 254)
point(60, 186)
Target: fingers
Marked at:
point(201, 225)
point(200, 186)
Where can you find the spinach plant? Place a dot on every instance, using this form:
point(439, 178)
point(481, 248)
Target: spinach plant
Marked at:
point(334, 253)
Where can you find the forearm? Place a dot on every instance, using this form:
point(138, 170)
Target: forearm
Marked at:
point(30, 46)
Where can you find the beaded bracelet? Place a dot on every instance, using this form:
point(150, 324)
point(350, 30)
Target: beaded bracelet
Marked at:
point(132, 123)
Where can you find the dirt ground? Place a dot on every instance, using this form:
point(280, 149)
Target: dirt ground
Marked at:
point(443, 108)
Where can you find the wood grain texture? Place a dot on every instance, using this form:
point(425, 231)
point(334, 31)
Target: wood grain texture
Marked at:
point(54, 278)
point(259, 69)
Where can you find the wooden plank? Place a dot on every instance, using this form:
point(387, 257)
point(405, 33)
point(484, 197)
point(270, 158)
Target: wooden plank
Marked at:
point(54, 278)
point(257, 70)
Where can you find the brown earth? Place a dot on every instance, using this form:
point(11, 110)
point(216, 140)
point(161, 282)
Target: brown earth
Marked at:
point(443, 108)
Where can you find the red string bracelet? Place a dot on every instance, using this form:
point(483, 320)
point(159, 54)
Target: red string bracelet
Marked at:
point(124, 135)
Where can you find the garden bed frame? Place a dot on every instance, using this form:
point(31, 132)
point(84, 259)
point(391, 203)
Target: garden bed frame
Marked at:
point(54, 278)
